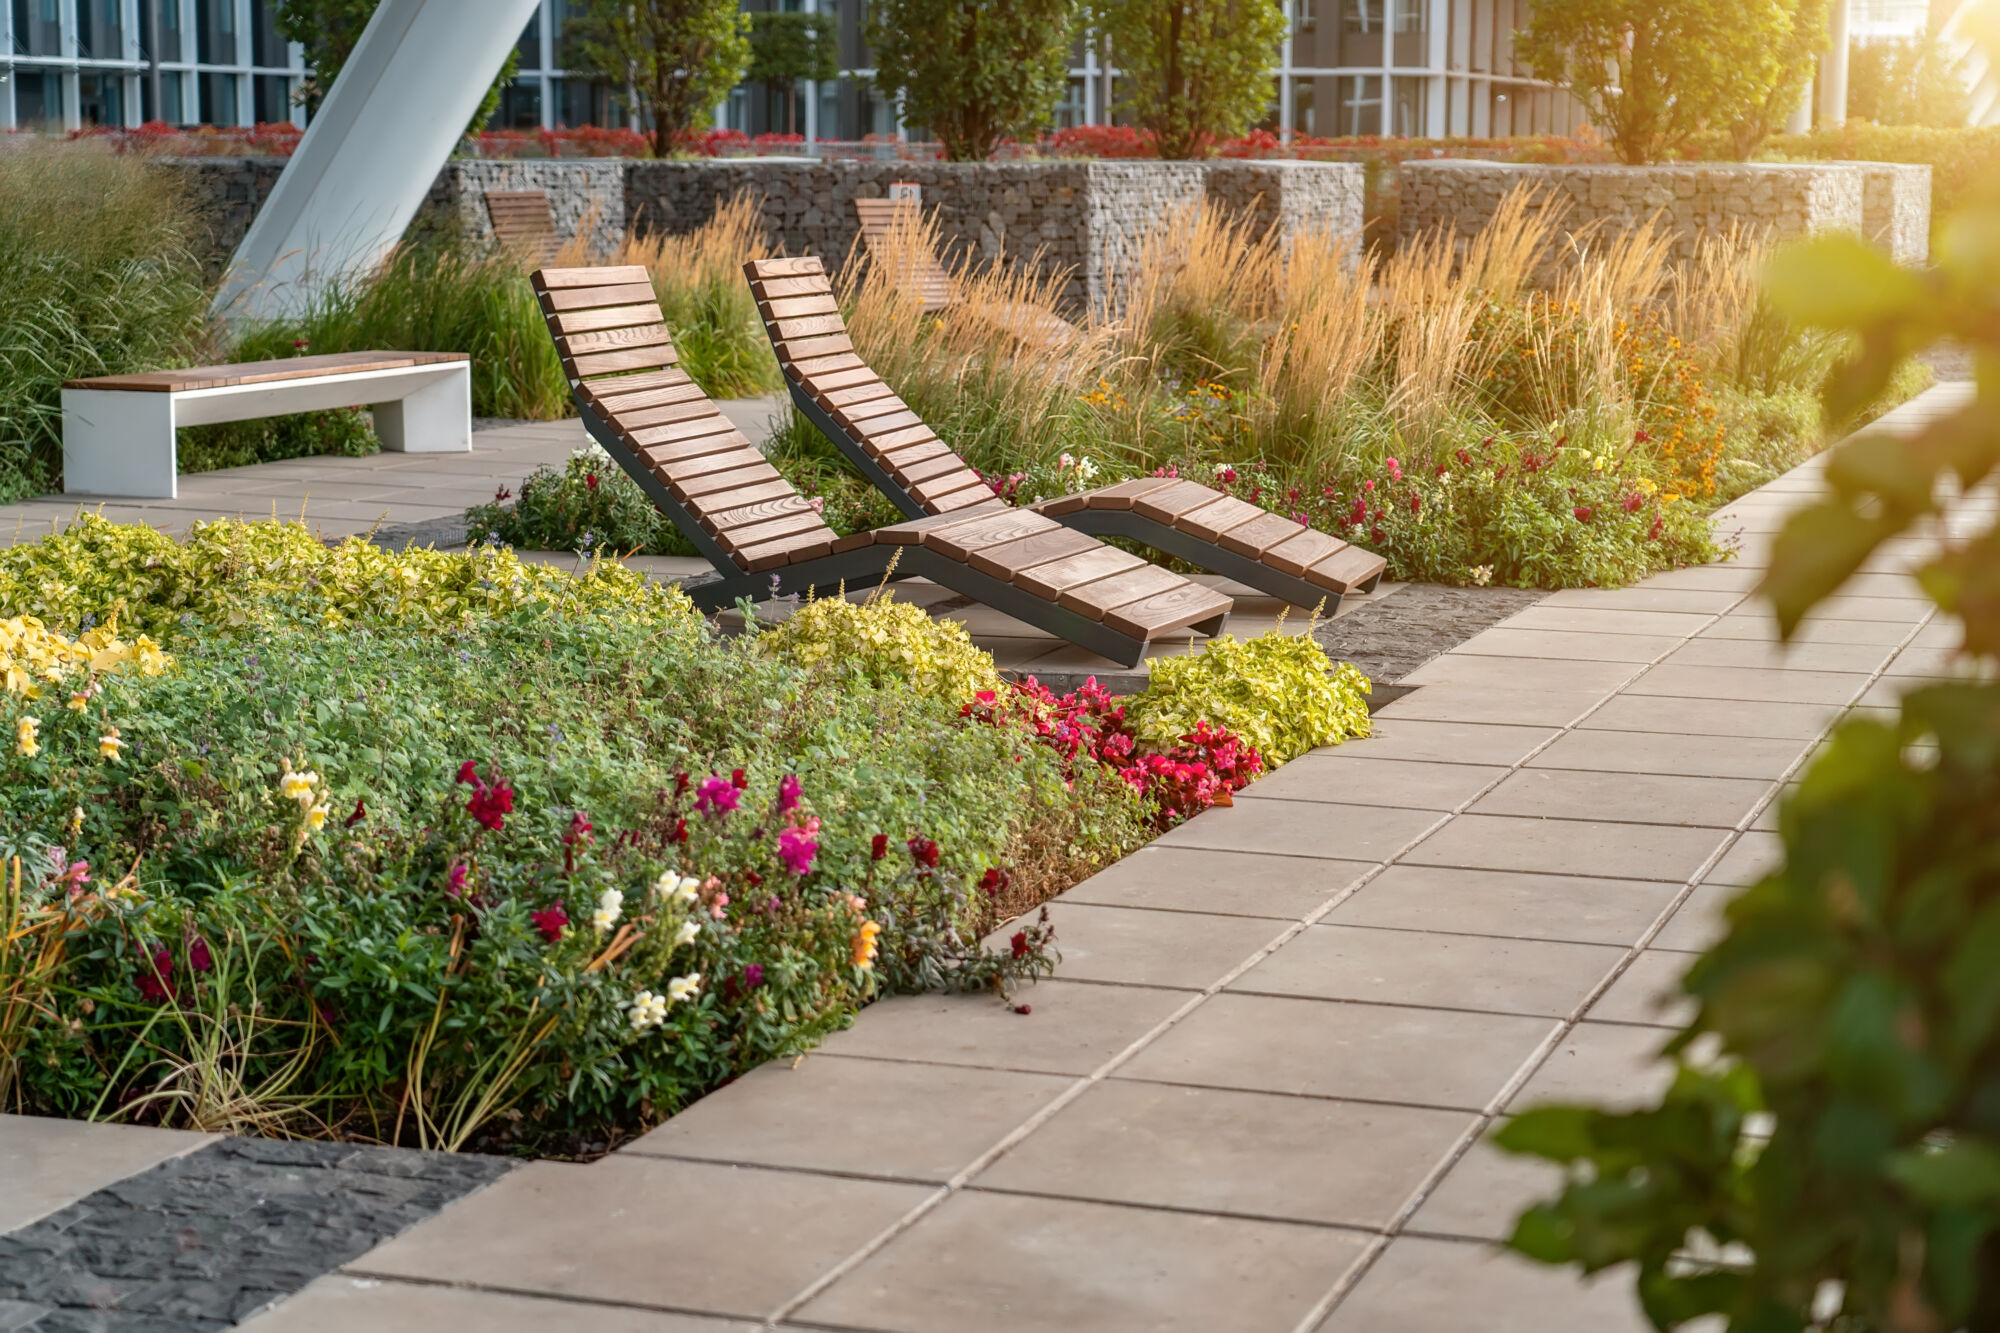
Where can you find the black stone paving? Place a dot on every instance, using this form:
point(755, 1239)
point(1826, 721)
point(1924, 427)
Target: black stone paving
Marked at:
point(1390, 638)
point(206, 1240)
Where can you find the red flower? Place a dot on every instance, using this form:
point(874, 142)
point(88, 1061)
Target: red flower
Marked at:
point(1020, 944)
point(360, 813)
point(550, 921)
point(490, 805)
point(738, 780)
point(878, 846)
point(994, 880)
point(156, 976)
point(716, 796)
point(797, 848)
point(454, 884)
point(1416, 502)
point(579, 829)
point(1634, 502)
point(468, 772)
point(753, 976)
point(1640, 437)
point(199, 958)
point(924, 852)
point(1582, 513)
point(590, 481)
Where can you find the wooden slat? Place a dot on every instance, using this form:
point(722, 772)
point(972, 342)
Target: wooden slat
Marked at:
point(696, 409)
point(756, 513)
point(674, 451)
point(264, 372)
point(932, 494)
point(914, 453)
point(774, 289)
point(606, 393)
point(609, 275)
point(713, 490)
point(610, 317)
point(596, 298)
point(856, 416)
point(897, 438)
point(792, 550)
point(1170, 502)
point(810, 326)
point(824, 381)
point(1062, 504)
point(687, 430)
point(609, 340)
point(921, 470)
point(749, 497)
point(975, 499)
point(1095, 599)
point(796, 307)
point(1120, 495)
point(1346, 570)
point(804, 266)
point(813, 368)
point(758, 534)
point(996, 530)
point(611, 363)
point(1073, 571)
point(911, 531)
point(1003, 562)
point(1221, 515)
point(687, 471)
point(1255, 537)
point(1167, 611)
point(887, 424)
point(623, 401)
point(867, 391)
point(1295, 555)
point(808, 349)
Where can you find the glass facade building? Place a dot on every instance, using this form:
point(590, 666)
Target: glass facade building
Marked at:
point(75, 63)
point(1346, 67)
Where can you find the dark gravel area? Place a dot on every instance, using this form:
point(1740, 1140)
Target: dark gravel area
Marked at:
point(1391, 637)
point(206, 1240)
point(439, 532)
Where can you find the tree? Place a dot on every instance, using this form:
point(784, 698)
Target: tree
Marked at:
point(1193, 71)
point(1654, 73)
point(1836, 1166)
point(1796, 56)
point(676, 59)
point(328, 30)
point(1905, 82)
point(974, 74)
point(787, 47)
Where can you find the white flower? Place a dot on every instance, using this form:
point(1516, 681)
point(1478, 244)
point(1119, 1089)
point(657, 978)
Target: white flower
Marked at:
point(1085, 470)
point(648, 1010)
point(1482, 574)
point(679, 888)
point(683, 988)
point(686, 934)
point(610, 905)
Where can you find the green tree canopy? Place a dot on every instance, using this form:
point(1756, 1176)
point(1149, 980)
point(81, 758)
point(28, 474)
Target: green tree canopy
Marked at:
point(1193, 71)
point(788, 46)
point(974, 74)
point(675, 59)
point(1905, 81)
point(1654, 73)
point(328, 30)
point(1796, 56)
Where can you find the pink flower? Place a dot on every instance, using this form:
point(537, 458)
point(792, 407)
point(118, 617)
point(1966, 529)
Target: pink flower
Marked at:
point(550, 921)
point(199, 957)
point(797, 848)
point(717, 908)
point(455, 881)
point(1395, 469)
point(753, 976)
point(1582, 513)
point(716, 796)
point(156, 975)
point(788, 794)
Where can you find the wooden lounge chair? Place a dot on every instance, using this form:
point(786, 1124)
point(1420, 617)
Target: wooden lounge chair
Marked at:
point(522, 223)
point(766, 540)
point(919, 273)
point(922, 475)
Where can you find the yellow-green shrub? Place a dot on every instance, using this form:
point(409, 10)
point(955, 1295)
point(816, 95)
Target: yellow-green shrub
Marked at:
point(886, 642)
point(233, 573)
point(1280, 692)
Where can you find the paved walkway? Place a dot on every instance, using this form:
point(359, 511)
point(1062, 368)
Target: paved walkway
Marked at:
point(1255, 1096)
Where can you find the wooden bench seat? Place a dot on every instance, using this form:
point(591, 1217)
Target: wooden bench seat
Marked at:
point(118, 430)
point(765, 539)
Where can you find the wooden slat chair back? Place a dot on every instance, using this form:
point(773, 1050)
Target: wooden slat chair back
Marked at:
point(893, 448)
point(615, 349)
point(764, 539)
point(919, 271)
point(522, 223)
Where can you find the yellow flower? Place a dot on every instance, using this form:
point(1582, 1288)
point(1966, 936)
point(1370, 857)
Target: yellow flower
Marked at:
point(316, 817)
point(78, 701)
point(24, 737)
point(298, 785)
point(108, 745)
point(864, 945)
point(1646, 486)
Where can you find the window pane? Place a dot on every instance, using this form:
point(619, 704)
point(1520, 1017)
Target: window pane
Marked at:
point(1360, 110)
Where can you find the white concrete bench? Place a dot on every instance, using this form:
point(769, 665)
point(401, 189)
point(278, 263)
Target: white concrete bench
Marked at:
point(118, 430)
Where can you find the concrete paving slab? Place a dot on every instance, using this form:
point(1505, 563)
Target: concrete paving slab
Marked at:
point(1610, 1065)
point(1430, 1286)
point(1225, 883)
point(1484, 1192)
point(1711, 717)
point(1525, 706)
point(1243, 1153)
point(1698, 922)
point(670, 1235)
point(1569, 645)
point(342, 1304)
point(47, 1164)
point(1442, 971)
point(1639, 798)
point(1705, 651)
point(1756, 854)
point(1680, 754)
point(902, 1121)
point(1705, 601)
point(1335, 831)
point(1330, 1048)
point(1506, 903)
point(1568, 846)
point(1790, 685)
point(1496, 671)
point(1648, 993)
point(1352, 774)
point(1132, 946)
point(1454, 742)
point(1594, 620)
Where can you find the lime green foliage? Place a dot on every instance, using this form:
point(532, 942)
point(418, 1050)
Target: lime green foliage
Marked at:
point(228, 573)
point(439, 296)
point(1835, 1146)
point(100, 279)
point(1192, 71)
point(974, 73)
point(341, 433)
point(885, 642)
point(1280, 692)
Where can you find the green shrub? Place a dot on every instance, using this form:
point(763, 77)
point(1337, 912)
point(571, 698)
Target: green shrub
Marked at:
point(343, 433)
point(101, 279)
point(1279, 692)
point(588, 504)
point(1961, 160)
point(886, 644)
point(231, 574)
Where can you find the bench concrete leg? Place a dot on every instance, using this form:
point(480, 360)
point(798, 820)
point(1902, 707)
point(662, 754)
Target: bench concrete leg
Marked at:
point(119, 443)
point(436, 419)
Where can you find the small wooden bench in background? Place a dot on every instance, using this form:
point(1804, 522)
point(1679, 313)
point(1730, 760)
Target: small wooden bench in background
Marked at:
point(523, 223)
point(118, 430)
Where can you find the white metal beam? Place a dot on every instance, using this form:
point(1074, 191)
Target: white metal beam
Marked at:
point(365, 163)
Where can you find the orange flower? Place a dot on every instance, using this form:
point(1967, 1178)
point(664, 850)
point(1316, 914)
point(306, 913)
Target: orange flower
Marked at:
point(864, 944)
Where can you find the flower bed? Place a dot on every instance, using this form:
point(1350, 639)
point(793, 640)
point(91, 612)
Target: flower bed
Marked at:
point(449, 850)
